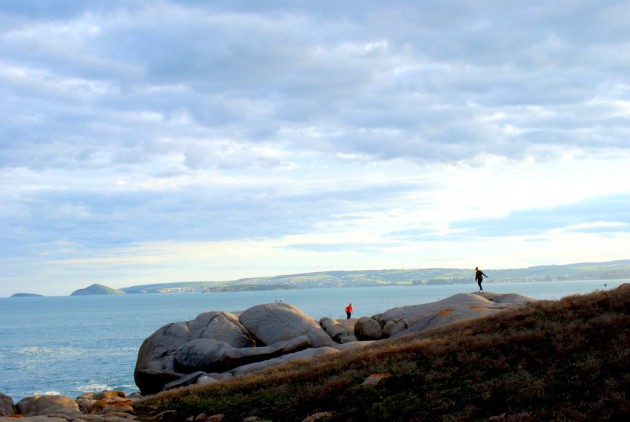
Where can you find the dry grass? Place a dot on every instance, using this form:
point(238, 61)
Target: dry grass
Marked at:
point(550, 360)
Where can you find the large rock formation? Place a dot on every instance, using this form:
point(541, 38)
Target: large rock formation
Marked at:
point(417, 318)
point(218, 345)
point(156, 363)
point(274, 322)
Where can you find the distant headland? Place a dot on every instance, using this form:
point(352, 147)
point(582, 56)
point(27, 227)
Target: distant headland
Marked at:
point(26, 295)
point(612, 270)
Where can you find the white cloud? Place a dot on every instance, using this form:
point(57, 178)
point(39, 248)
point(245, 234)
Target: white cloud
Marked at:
point(324, 135)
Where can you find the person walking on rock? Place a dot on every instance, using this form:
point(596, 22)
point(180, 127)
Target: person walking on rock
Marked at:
point(349, 310)
point(479, 275)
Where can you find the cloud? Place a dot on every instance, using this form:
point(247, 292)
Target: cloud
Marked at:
point(126, 123)
point(595, 215)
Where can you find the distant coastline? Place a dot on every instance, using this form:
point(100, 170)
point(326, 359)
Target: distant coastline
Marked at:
point(26, 295)
point(612, 270)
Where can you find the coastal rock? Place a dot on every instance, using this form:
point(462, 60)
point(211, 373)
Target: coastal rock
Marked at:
point(217, 345)
point(462, 306)
point(48, 405)
point(368, 328)
point(7, 407)
point(274, 322)
point(304, 355)
point(341, 332)
point(210, 355)
point(104, 402)
point(155, 365)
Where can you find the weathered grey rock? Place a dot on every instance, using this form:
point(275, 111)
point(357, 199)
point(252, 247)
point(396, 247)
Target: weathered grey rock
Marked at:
point(210, 355)
point(274, 322)
point(205, 379)
point(221, 326)
point(368, 328)
point(189, 379)
point(353, 345)
point(338, 331)
point(48, 405)
point(417, 318)
point(155, 365)
point(7, 407)
point(305, 355)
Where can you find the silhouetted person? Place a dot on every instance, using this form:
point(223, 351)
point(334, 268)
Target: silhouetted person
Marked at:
point(479, 275)
point(349, 310)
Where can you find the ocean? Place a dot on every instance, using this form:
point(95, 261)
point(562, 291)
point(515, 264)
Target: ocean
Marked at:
point(76, 344)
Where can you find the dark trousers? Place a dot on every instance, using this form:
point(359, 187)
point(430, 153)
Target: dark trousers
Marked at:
point(348, 314)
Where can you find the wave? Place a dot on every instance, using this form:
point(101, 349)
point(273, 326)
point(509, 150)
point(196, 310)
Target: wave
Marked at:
point(53, 352)
point(91, 388)
point(47, 393)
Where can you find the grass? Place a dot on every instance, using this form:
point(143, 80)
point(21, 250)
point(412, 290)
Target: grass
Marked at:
point(549, 360)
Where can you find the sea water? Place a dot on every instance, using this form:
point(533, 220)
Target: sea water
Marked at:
point(75, 344)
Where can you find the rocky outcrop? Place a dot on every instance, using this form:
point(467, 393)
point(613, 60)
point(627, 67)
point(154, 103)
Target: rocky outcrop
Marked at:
point(340, 331)
point(368, 328)
point(106, 406)
point(274, 322)
point(462, 306)
point(7, 407)
point(47, 405)
point(156, 363)
point(209, 355)
point(218, 342)
point(219, 345)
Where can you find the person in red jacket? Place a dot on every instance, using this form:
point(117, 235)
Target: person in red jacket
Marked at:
point(349, 310)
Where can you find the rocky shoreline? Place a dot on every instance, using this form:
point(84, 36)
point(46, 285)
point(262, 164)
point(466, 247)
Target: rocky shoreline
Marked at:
point(105, 406)
point(219, 345)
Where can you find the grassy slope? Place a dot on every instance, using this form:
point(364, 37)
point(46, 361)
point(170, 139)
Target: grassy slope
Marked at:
point(551, 360)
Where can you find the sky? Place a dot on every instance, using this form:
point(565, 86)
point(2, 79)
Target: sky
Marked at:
point(164, 141)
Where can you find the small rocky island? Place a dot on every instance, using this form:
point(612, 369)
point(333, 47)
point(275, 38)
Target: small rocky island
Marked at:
point(97, 289)
point(26, 295)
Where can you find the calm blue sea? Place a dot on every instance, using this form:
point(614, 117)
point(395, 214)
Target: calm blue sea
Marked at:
point(76, 344)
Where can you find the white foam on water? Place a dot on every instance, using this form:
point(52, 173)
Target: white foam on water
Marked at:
point(51, 352)
point(47, 393)
point(93, 388)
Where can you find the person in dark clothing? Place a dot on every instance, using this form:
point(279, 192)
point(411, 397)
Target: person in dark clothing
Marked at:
point(479, 275)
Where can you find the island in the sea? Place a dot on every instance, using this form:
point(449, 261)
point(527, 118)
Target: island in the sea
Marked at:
point(26, 295)
point(97, 289)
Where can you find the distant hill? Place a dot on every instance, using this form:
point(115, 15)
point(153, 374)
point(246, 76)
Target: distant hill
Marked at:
point(26, 295)
point(97, 289)
point(613, 270)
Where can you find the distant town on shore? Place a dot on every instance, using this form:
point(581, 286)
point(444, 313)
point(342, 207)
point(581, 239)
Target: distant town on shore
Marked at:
point(612, 270)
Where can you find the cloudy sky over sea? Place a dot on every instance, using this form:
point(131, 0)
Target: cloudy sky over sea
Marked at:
point(162, 141)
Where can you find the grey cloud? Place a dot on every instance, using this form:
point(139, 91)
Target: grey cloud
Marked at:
point(391, 82)
point(114, 218)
